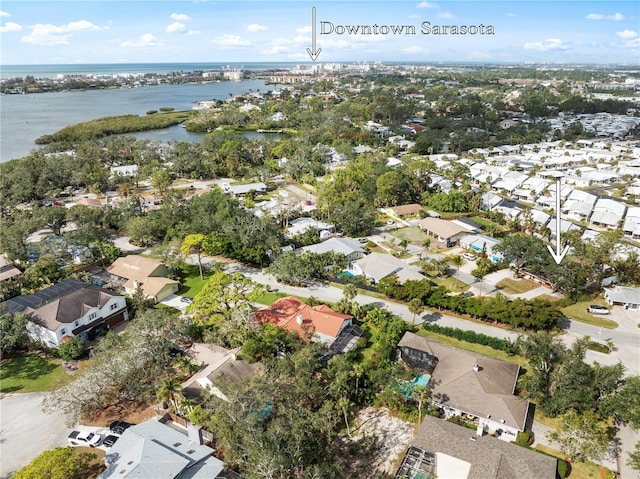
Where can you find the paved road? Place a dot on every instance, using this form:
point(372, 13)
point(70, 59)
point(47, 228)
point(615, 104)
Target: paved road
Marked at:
point(26, 431)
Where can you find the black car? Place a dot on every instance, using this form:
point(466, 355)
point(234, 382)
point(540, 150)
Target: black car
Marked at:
point(118, 427)
point(110, 440)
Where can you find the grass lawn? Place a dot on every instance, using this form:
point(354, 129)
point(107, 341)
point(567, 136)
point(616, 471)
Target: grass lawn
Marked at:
point(486, 222)
point(452, 283)
point(516, 286)
point(268, 298)
point(412, 234)
point(27, 373)
point(579, 312)
point(549, 297)
point(579, 470)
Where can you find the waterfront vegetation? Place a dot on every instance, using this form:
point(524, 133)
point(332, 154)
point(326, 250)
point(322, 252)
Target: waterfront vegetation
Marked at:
point(115, 125)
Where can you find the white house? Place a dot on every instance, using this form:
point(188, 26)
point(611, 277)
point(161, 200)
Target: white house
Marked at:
point(67, 309)
point(624, 296)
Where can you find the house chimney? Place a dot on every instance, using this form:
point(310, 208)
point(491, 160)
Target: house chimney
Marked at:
point(299, 318)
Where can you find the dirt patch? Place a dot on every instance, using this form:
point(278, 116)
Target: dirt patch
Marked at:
point(133, 414)
point(96, 466)
point(376, 446)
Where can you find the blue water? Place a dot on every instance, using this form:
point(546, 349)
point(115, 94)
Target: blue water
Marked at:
point(419, 380)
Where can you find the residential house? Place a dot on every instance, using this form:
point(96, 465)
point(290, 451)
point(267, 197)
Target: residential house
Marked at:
point(490, 200)
point(565, 226)
point(224, 370)
point(67, 309)
point(401, 211)
point(125, 170)
point(623, 296)
point(241, 190)
point(443, 231)
point(631, 226)
point(607, 213)
point(7, 268)
point(300, 226)
point(155, 450)
point(482, 244)
point(468, 384)
point(148, 274)
point(579, 205)
point(376, 266)
point(443, 449)
point(349, 247)
point(318, 323)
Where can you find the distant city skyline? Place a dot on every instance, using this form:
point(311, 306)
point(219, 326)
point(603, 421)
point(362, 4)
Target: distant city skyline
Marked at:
point(81, 32)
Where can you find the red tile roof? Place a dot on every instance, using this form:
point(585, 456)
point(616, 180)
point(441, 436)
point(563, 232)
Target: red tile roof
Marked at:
point(294, 315)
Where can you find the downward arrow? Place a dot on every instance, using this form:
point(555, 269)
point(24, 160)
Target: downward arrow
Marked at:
point(313, 53)
point(559, 253)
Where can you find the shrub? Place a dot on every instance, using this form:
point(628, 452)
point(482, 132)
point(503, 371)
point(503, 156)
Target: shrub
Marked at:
point(564, 469)
point(471, 337)
point(152, 112)
point(72, 349)
point(524, 438)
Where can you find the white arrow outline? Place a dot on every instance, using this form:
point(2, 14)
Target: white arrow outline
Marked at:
point(559, 253)
point(313, 53)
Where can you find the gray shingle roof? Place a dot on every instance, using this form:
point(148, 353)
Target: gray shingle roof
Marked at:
point(490, 458)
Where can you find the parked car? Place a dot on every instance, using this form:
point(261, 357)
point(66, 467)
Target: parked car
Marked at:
point(110, 440)
point(597, 309)
point(468, 256)
point(84, 438)
point(118, 427)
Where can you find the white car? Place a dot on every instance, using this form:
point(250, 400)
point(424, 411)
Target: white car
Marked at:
point(468, 256)
point(85, 438)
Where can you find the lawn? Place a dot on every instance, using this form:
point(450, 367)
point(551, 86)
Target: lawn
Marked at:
point(579, 312)
point(485, 222)
point(412, 234)
point(26, 373)
point(451, 283)
point(516, 286)
point(267, 298)
point(579, 470)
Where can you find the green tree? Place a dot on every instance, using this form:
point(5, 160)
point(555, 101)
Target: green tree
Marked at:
point(634, 458)
point(455, 260)
point(194, 244)
point(13, 332)
point(221, 295)
point(416, 306)
point(420, 394)
point(72, 349)
point(58, 463)
point(624, 402)
point(544, 353)
point(582, 436)
point(161, 181)
point(169, 392)
point(53, 217)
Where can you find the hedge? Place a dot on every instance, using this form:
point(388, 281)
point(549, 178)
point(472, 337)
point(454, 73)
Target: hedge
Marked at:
point(471, 337)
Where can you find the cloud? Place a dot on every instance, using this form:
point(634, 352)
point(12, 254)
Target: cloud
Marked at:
point(627, 34)
point(427, 5)
point(550, 44)
point(303, 30)
point(10, 27)
point(255, 27)
point(49, 34)
point(194, 32)
point(180, 17)
point(302, 39)
point(146, 40)
point(412, 49)
point(447, 15)
point(600, 16)
point(230, 41)
point(4, 14)
point(175, 27)
point(275, 49)
point(510, 14)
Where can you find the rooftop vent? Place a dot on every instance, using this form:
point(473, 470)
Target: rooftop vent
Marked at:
point(477, 368)
point(299, 318)
point(473, 438)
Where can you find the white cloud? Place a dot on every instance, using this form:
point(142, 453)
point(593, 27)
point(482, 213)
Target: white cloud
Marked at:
point(180, 17)
point(412, 49)
point(447, 15)
point(303, 30)
point(194, 32)
point(48, 34)
point(548, 45)
point(231, 41)
point(275, 49)
point(627, 34)
point(4, 14)
point(427, 5)
point(10, 27)
point(255, 27)
point(146, 40)
point(175, 27)
point(600, 16)
point(510, 14)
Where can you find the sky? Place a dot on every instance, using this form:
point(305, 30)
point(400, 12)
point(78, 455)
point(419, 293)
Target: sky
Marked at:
point(118, 31)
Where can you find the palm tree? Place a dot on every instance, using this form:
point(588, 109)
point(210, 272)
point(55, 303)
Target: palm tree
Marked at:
point(456, 260)
point(357, 372)
point(345, 404)
point(403, 245)
point(168, 392)
point(420, 394)
point(350, 292)
point(416, 306)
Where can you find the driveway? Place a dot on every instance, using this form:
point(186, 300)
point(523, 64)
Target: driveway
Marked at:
point(174, 301)
point(26, 431)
